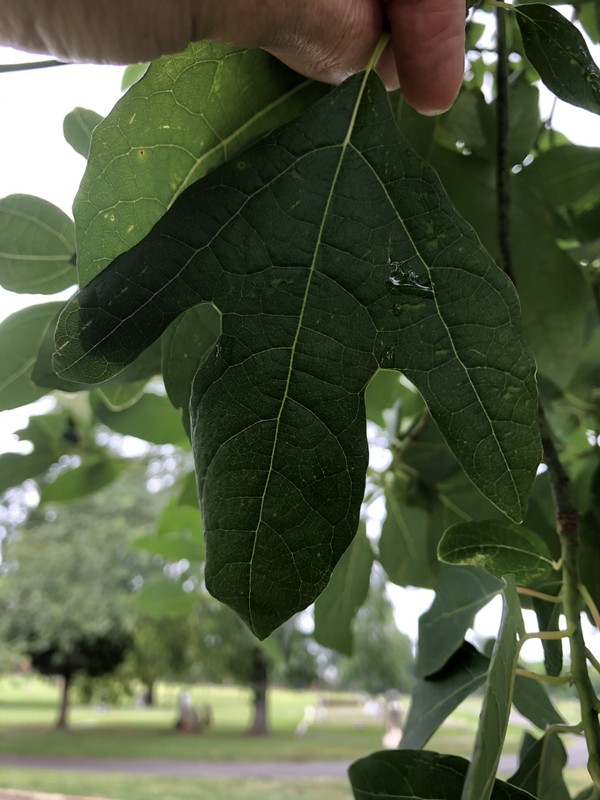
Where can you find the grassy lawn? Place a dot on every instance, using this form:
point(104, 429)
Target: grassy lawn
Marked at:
point(28, 709)
point(131, 787)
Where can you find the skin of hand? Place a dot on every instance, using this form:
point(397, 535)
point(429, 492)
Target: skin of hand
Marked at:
point(323, 39)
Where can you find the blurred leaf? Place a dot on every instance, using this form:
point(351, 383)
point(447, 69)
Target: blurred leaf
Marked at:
point(132, 74)
point(188, 495)
point(21, 335)
point(178, 518)
point(461, 592)
point(567, 175)
point(93, 474)
point(589, 17)
point(122, 395)
point(428, 453)
point(462, 122)
point(500, 547)
point(540, 771)
point(559, 53)
point(417, 129)
point(436, 697)
point(37, 246)
point(548, 616)
point(164, 598)
point(169, 130)
point(77, 129)
point(152, 418)
point(173, 546)
point(387, 391)
point(345, 593)
point(532, 701)
point(405, 550)
point(417, 775)
point(46, 433)
point(497, 701)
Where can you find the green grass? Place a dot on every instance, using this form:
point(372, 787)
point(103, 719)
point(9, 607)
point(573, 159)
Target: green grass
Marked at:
point(28, 709)
point(131, 787)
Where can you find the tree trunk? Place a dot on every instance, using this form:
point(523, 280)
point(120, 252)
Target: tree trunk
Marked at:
point(149, 694)
point(63, 713)
point(260, 684)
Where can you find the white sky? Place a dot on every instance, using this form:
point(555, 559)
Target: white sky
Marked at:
point(35, 159)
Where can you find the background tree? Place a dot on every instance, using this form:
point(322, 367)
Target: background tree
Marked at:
point(67, 583)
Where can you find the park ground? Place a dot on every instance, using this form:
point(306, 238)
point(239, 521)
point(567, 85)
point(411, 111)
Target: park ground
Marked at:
point(28, 708)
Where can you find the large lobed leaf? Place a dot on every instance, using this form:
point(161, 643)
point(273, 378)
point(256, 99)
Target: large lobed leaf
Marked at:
point(169, 130)
point(330, 250)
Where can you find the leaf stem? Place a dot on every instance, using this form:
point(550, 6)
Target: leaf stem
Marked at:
point(32, 65)
point(593, 608)
point(567, 525)
point(548, 598)
point(555, 680)
point(592, 659)
point(546, 636)
point(378, 51)
point(502, 146)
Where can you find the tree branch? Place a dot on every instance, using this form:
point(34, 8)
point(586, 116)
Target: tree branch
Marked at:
point(32, 65)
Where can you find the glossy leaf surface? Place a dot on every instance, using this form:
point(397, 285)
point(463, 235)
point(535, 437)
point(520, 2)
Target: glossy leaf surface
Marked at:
point(317, 290)
point(559, 53)
point(500, 547)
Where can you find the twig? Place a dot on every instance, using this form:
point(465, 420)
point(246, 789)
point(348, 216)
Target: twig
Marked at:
point(548, 598)
point(32, 65)
point(502, 147)
point(537, 676)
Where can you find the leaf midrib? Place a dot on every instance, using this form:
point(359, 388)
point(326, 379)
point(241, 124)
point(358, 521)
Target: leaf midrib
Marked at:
point(343, 149)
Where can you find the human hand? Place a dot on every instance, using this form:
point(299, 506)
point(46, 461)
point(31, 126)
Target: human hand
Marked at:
point(323, 39)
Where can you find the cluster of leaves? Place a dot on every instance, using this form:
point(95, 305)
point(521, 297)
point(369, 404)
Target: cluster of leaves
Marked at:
point(294, 260)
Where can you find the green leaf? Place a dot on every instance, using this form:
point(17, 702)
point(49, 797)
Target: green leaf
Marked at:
point(178, 517)
point(532, 701)
point(152, 418)
point(540, 771)
point(436, 697)
point(406, 551)
point(172, 546)
point(461, 592)
point(121, 396)
point(132, 74)
point(78, 126)
point(20, 337)
point(556, 320)
point(169, 130)
point(37, 247)
point(416, 775)
point(144, 367)
point(345, 593)
point(387, 398)
point(559, 53)
point(47, 434)
point(429, 454)
point(185, 345)
point(93, 474)
point(318, 287)
point(500, 547)
point(548, 616)
point(564, 176)
point(497, 701)
point(163, 597)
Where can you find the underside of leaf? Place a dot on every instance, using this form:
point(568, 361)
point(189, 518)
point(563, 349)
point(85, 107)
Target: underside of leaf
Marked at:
point(330, 250)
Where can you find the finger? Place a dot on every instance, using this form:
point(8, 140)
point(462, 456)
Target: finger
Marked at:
point(429, 44)
point(327, 40)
